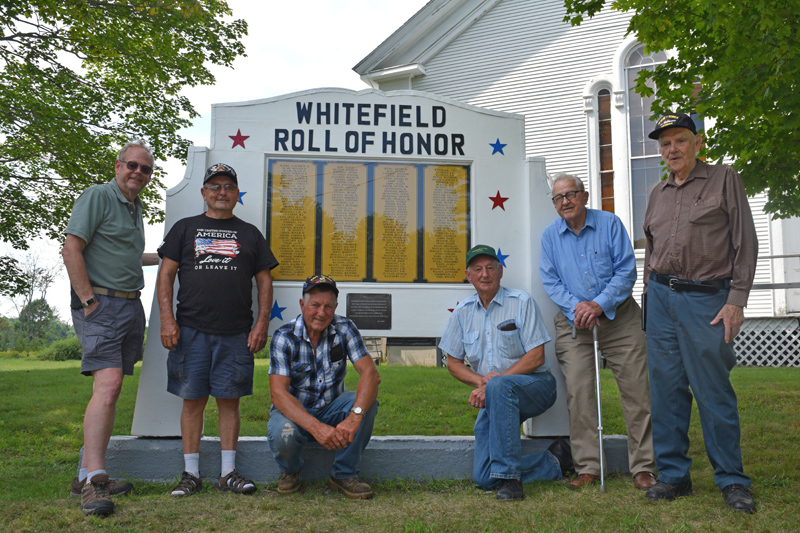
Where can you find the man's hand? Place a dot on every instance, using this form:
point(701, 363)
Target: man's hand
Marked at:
point(330, 437)
point(587, 315)
point(485, 379)
point(170, 333)
point(733, 318)
point(349, 427)
point(258, 337)
point(88, 310)
point(477, 398)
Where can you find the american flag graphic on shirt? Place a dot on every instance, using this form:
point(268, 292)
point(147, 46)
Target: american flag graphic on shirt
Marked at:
point(227, 247)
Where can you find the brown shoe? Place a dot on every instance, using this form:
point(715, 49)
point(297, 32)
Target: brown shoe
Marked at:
point(288, 483)
point(351, 487)
point(95, 498)
point(644, 480)
point(115, 488)
point(583, 480)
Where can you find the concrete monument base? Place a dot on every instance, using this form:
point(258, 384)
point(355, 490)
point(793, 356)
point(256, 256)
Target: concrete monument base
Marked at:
point(392, 457)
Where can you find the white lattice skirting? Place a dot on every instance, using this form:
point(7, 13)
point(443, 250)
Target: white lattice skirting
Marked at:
point(769, 342)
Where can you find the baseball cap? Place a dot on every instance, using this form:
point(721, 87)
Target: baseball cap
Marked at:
point(673, 120)
point(221, 169)
point(480, 249)
point(320, 280)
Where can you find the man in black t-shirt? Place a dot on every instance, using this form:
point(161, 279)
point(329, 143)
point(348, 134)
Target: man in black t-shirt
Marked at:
point(215, 256)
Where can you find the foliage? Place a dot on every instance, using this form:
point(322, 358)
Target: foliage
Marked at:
point(747, 56)
point(82, 77)
point(63, 350)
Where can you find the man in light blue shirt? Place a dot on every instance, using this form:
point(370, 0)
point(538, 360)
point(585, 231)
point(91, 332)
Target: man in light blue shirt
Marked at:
point(501, 334)
point(588, 269)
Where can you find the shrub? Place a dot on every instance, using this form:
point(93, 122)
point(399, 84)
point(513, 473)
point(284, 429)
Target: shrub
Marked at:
point(63, 350)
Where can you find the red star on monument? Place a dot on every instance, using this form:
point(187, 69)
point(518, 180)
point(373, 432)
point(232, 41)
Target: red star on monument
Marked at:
point(451, 310)
point(497, 201)
point(238, 139)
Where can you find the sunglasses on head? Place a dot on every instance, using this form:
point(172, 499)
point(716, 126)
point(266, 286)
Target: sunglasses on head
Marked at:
point(133, 165)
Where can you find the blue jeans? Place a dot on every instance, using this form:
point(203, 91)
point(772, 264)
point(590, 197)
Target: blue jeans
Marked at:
point(286, 439)
point(510, 400)
point(684, 351)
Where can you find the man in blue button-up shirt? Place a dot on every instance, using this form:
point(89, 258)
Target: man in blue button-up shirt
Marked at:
point(501, 334)
point(307, 363)
point(588, 269)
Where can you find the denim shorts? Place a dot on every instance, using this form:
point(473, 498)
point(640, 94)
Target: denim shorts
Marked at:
point(112, 335)
point(205, 364)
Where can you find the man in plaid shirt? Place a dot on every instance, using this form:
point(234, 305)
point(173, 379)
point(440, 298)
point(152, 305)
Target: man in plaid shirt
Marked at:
point(308, 362)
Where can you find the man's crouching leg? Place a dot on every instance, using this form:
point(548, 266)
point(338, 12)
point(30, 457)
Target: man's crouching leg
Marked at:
point(286, 440)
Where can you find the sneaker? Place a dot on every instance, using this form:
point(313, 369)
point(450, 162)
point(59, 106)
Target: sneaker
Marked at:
point(510, 490)
point(95, 498)
point(115, 488)
point(236, 483)
point(351, 487)
point(288, 483)
point(669, 491)
point(739, 498)
point(188, 484)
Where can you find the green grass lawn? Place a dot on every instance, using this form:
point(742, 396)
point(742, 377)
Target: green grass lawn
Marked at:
point(40, 434)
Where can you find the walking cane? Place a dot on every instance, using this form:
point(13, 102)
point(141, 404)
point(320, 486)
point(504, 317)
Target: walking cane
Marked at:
point(597, 356)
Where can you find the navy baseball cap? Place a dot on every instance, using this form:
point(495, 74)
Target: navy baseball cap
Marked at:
point(673, 120)
point(320, 280)
point(221, 169)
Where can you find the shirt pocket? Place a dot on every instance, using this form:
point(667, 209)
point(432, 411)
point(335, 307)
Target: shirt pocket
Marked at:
point(708, 211)
point(472, 348)
point(301, 375)
point(509, 340)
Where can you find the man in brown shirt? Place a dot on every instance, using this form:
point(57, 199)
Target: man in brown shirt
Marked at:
point(700, 260)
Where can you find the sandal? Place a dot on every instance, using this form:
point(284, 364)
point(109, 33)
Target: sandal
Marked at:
point(236, 483)
point(188, 484)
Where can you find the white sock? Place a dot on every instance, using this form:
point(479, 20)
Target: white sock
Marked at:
point(229, 465)
point(82, 474)
point(90, 475)
point(191, 463)
point(228, 462)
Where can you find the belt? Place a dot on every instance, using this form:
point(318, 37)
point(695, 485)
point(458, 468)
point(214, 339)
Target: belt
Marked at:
point(131, 295)
point(710, 286)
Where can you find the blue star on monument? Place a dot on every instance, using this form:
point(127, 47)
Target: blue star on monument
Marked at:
point(497, 146)
point(240, 197)
point(501, 257)
point(276, 311)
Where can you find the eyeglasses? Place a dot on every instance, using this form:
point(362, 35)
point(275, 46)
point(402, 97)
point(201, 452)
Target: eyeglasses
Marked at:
point(133, 165)
point(569, 195)
point(216, 188)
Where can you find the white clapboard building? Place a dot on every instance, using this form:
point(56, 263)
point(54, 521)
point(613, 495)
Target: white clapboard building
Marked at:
point(573, 85)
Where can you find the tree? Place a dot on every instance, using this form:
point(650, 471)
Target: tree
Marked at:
point(79, 78)
point(746, 56)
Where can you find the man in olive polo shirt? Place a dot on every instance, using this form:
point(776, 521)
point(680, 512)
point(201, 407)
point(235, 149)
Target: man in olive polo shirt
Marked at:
point(104, 255)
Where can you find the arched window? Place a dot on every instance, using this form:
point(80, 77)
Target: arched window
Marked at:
point(605, 149)
point(645, 161)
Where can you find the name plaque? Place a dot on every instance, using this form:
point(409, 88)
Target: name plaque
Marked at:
point(368, 221)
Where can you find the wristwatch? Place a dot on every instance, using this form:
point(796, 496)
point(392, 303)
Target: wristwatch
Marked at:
point(358, 411)
point(89, 302)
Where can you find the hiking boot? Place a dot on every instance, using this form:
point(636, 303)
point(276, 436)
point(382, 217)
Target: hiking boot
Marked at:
point(115, 488)
point(188, 484)
point(95, 498)
point(236, 483)
point(351, 487)
point(288, 483)
point(510, 490)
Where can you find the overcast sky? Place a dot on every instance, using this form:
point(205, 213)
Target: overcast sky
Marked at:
point(291, 46)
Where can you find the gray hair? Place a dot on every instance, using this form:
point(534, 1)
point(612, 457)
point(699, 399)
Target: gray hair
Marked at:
point(575, 180)
point(321, 288)
point(136, 143)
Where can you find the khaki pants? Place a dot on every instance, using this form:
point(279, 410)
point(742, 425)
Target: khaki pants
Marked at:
point(624, 348)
